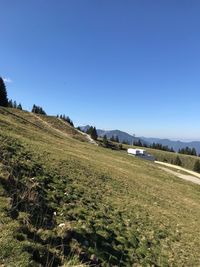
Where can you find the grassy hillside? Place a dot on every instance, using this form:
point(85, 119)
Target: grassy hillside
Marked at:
point(64, 201)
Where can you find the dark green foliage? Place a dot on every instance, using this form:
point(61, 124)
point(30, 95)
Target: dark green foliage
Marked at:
point(112, 138)
point(178, 161)
point(13, 104)
point(161, 147)
point(38, 110)
point(120, 146)
point(105, 140)
point(197, 166)
point(116, 139)
point(138, 143)
point(188, 151)
point(3, 94)
point(19, 106)
point(125, 142)
point(66, 119)
point(92, 132)
point(10, 103)
point(156, 146)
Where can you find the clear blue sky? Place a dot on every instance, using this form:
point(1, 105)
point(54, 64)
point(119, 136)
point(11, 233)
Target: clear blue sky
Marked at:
point(129, 65)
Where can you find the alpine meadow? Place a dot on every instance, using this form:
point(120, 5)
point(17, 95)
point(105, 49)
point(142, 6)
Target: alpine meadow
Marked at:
point(99, 133)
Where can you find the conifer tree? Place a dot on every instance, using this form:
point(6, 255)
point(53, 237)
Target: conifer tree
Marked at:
point(105, 140)
point(94, 134)
point(117, 139)
point(3, 94)
point(19, 106)
point(38, 110)
point(14, 104)
point(112, 138)
point(197, 166)
point(193, 152)
point(10, 103)
point(177, 161)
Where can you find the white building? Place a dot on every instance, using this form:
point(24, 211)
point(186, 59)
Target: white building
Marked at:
point(136, 151)
point(140, 153)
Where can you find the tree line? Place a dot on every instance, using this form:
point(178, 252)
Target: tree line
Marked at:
point(5, 102)
point(66, 119)
point(38, 110)
point(188, 151)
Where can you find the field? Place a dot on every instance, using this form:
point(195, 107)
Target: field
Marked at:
point(64, 201)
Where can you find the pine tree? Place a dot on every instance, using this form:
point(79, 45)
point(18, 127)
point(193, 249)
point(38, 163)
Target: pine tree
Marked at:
point(33, 108)
point(3, 94)
point(14, 104)
point(38, 110)
point(117, 139)
point(10, 103)
point(94, 134)
point(197, 166)
point(105, 140)
point(193, 152)
point(112, 138)
point(177, 161)
point(19, 106)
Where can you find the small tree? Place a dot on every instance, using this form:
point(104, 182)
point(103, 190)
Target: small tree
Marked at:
point(3, 94)
point(112, 138)
point(120, 146)
point(19, 106)
point(94, 134)
point(178, 161)
point(14, 104)
point(117, 139)
point(197, 166)
point(10, 103)
point(105, 140)
point(194, 152)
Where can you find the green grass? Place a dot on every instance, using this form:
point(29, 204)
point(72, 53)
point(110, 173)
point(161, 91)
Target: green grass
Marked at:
point(169, 157)
point(114, 210)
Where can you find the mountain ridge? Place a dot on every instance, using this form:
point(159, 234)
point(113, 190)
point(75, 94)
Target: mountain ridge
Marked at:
point(124, 136)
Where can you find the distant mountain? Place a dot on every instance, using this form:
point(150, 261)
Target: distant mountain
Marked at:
point(175, 144)
point(123, 136)
point(84, 128)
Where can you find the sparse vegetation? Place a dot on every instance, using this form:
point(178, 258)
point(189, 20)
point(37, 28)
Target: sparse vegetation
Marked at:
point(65, 201)
point(66, 119)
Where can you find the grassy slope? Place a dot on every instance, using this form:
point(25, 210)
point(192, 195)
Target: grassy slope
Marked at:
point(116, 209)
point(187, 161)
